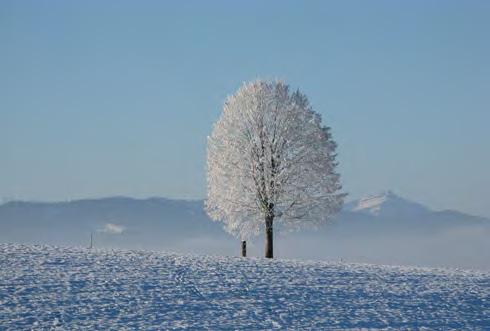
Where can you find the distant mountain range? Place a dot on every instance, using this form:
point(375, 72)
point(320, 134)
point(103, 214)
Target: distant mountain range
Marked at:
point(388, 212)
point(389, 205)
point(182, 225)
point(120, 221)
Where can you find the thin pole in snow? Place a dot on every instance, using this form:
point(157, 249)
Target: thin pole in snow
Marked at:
point(244, 248)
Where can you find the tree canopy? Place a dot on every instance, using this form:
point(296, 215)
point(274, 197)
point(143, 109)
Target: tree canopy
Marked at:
point(270, 158)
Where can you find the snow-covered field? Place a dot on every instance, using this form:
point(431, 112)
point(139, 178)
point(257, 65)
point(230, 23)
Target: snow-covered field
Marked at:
point(43, 287)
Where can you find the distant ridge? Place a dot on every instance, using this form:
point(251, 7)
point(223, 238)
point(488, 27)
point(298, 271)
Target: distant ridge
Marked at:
point(388, 203)
point(382, 228)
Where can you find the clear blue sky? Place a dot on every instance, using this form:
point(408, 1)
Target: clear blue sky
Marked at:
point(102, 98)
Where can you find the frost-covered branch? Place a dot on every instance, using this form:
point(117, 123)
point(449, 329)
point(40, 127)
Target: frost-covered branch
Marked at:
point(270, 156)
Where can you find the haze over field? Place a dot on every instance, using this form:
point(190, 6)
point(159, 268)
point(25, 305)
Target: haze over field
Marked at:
point(383, 228)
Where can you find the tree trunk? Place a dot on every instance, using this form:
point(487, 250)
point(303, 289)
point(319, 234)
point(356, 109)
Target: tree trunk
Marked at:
point(268, 237)
point(244, 248)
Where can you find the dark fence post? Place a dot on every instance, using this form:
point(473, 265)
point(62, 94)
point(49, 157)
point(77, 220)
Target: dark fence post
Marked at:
point(244, 248)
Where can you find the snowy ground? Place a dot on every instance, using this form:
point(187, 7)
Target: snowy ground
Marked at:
point(43, 287)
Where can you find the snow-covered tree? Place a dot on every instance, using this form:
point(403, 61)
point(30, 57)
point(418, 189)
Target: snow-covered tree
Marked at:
point(271, 161)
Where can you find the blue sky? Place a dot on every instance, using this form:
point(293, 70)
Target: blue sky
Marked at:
point(117, 97)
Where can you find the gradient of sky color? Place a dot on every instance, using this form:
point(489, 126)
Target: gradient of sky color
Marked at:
point(101, 98)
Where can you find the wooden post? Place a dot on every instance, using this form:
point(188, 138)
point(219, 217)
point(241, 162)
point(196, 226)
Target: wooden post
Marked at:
point(244, 248)
point(91, 240)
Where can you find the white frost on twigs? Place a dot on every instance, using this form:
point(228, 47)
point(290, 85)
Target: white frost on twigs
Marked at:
point(270, 156)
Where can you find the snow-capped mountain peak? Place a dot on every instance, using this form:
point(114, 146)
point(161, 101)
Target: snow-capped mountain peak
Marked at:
point(385, 203)
point(373, 203)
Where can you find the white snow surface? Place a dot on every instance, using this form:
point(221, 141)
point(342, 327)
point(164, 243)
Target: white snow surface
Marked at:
point(373, 204)
point(47, 287)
